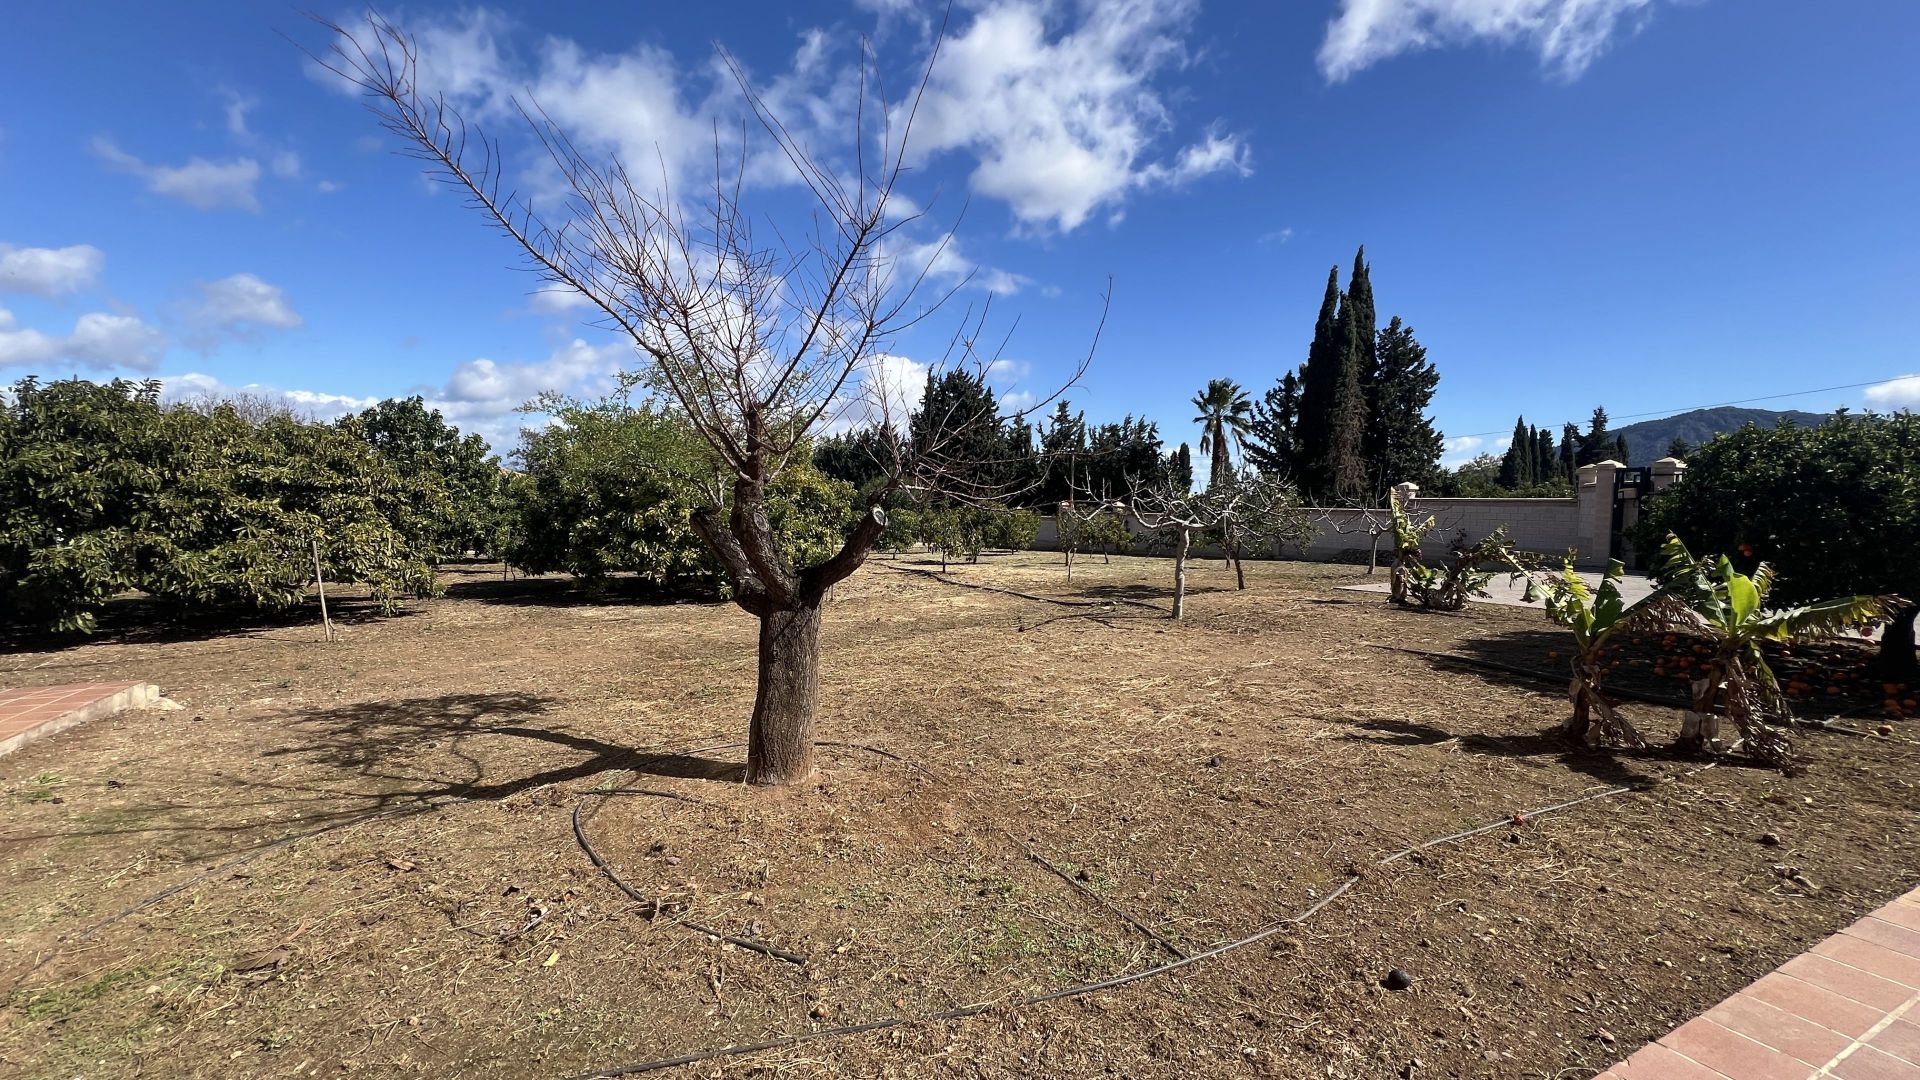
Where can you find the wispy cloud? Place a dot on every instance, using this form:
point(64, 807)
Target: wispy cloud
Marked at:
point(1568, 35)
point(98, 340)
point(203, 184)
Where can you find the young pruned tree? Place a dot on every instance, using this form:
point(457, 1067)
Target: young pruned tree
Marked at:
point(1246, 508)
point(759, 344)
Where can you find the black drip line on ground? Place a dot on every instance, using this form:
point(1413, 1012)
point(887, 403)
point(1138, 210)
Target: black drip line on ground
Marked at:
point(1182, 959)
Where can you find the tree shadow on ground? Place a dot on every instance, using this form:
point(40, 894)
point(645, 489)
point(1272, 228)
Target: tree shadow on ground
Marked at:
point(144, 620)
point(421, 748)
point(561, 591)
point(402, 757)
point(1544, 745)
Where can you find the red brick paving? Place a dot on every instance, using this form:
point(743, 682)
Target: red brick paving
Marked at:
point(28, 713)
point(1849, 1009)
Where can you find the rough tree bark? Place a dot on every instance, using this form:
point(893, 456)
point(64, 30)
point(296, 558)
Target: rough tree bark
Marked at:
point(787, 603)
point(1180, 550)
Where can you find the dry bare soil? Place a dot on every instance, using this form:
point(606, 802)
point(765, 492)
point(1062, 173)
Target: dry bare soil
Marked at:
point(434, 915)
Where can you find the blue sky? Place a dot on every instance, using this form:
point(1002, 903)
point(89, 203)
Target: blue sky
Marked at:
point(1646, 204)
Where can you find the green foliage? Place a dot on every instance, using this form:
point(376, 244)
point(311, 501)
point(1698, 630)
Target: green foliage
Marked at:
point(954, 532)
point(102, 490)
point(1401, 443)
point(1224, 412)
point(1836, 508)
point(471, 512)
point(1448, 586)
point(1013, 530)
point(1730, 608)
point(1273, 433)
point(1595, 616)
point(611, 488)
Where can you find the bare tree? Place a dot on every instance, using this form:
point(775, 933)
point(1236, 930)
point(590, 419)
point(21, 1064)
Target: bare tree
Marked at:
point(760, 344)
point(1246, 508)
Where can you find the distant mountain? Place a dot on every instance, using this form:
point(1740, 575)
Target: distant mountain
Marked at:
point(1647, 441)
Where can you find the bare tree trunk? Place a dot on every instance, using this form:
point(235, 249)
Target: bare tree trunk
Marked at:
point(780, 740)
point(1069, 564)
point(1180, 572)
point(1239, 567)
point(1897, 662)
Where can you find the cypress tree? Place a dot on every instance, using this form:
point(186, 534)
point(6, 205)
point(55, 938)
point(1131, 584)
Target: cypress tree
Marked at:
point(1544, 469)
point(1516, 467)
point(1358, 339)
point(1569, 452)
point(1620, 449)
point(1402, 444)
point(1319, 386)
point(1597, 443)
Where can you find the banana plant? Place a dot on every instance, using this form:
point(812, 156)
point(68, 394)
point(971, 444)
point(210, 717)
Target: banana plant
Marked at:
point(1730, 608)
point(1595, 615)
point(1408, 532)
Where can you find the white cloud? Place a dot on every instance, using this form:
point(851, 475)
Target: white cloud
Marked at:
point(237, 108)
point(889, 389)
point(286, 164)
point(49, 271)
point(558, 300)
point(1278, 236)
point(1902, 392)
point(313, 403)
point(1063, 120)
point(206, 185)
point(98, 340)
point(945, 265)
point(1569, 35)
point(1464, 448)
point(327, 187)
point(1061, 114)
point(242, 305)
point(481, 396)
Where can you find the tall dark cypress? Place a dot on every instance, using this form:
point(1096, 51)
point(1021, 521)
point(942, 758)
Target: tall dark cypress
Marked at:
point(1620, 449)
point(1569, 452)
point(1358, 338)
point(1597, 443)
point(1516, 467)
point(1319, 386)
point(1543, 462)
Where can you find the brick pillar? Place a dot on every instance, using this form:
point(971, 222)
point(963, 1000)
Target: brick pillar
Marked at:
point(1667, 472)
point(1594, 490)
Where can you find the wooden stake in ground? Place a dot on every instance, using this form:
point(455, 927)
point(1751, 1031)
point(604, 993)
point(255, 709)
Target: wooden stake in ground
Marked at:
point(320, 583)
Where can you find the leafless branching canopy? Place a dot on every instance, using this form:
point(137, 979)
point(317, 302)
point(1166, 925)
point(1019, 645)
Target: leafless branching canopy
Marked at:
point(760, 339)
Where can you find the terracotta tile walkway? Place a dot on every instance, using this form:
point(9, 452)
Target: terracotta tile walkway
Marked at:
point(29, 714)
point(1848, 1009)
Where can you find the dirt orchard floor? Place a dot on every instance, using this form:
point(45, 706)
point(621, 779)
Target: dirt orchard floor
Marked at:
point(1209, 779)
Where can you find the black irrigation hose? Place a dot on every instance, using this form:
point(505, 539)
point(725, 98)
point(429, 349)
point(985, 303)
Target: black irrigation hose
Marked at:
point(1079, 886)
point(586, 845)
point(1082, 989)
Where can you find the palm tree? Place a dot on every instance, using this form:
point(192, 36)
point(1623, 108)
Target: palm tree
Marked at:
point(1225, 411)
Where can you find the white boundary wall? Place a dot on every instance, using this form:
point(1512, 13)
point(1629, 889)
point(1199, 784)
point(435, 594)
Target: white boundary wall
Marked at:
point(1582, 523)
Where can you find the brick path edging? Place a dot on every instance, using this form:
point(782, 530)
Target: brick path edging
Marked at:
point(1847, 1009)
point(34, 713)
